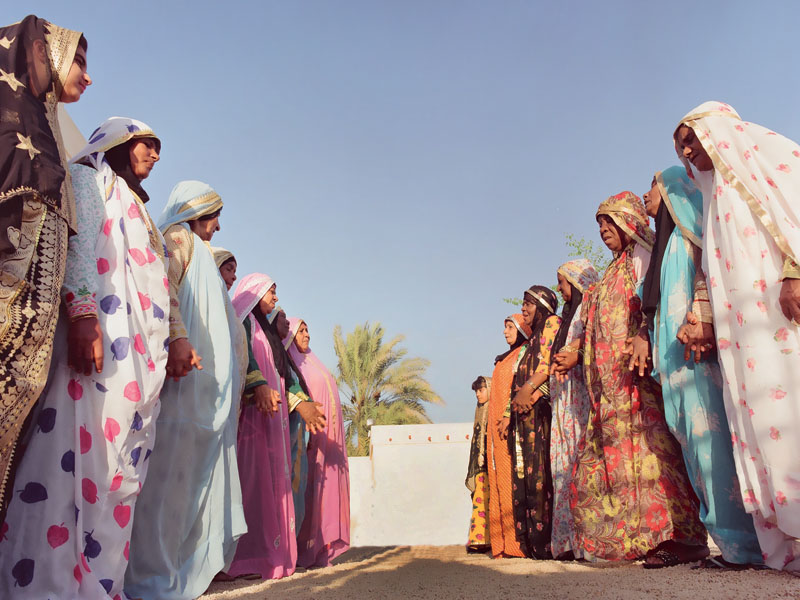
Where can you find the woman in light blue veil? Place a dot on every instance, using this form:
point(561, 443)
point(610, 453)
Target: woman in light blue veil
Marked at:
point(189, 514)
point(693, 403)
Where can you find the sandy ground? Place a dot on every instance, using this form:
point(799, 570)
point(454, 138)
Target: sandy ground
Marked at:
point(449, 572)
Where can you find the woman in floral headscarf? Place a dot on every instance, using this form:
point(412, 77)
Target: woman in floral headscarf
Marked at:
point(189, 514)
point(570, 402)
point(751, 246)
point(502, 529)
point(531, 414)
point(693, 403)
point(630, 495)
point(86, 455)
point(41, 65)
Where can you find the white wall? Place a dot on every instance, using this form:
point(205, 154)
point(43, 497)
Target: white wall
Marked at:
point(411, 490)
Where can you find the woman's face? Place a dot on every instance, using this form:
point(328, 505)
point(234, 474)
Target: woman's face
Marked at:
point(77, 78)
point(652, 199)
point(268, 300)
point(692, 149)
point(282, 324)
point(228, 272)
point(564, 288)
point(144, 156)
point(482, 395)
point(510, 332)
point(303, 338)
point(613, 237)
point(528, 310)
point(205, 228)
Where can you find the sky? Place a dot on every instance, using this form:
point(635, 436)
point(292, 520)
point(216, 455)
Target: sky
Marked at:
point(415, 162)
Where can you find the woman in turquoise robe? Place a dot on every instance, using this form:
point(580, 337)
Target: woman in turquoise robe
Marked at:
point(190, 514)
point(693, 403)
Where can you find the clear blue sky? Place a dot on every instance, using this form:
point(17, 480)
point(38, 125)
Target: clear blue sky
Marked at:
point(414, 162)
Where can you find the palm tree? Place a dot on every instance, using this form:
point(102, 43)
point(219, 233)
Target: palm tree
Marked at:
point(379, 384)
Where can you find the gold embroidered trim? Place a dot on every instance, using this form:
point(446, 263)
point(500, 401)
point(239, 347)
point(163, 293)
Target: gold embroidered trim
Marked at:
point(749, 198)
point(212, 197)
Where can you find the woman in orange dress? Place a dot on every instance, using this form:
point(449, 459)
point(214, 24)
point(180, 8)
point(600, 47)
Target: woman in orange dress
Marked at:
point(502, 533)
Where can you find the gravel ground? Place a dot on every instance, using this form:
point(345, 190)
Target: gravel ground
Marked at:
point(447, 572)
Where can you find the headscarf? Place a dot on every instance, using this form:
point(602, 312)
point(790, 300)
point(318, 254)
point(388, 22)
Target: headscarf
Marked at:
point(477, 451)
point(681, 205)
point(31, 149)
point(221, 256)
point(523, 334)
point(627, 211)
point(249, 292)
point(762, 166)
point(112, 141)
point(581, 275)
point(189, 200)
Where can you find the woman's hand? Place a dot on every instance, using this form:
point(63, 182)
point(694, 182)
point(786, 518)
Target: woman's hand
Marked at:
point(523, 401)
point(790, 300)
point(562, 362)
point(85, 345)
point(181, 358)
point(638, 348)
point(264, 398)
point(697, 336)
point(312, 415)
point(502, 427)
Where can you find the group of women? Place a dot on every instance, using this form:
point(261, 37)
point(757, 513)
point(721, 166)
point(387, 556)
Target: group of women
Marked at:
point(177, 435)
point(660, 406)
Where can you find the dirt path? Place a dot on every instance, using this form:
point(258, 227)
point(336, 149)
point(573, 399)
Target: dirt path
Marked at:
point(448, 572)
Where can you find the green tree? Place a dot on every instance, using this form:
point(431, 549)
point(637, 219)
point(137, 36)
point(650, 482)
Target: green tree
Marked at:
point(580, 247)
point(380, 384)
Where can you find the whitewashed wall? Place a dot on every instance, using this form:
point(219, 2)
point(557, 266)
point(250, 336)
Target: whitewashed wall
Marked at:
point(411, 490)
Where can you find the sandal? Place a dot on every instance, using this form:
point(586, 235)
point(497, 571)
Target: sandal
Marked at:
point(667, 558)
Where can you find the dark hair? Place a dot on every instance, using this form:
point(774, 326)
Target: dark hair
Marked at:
point(479, 383)
point(231, 259)
point(82, 43)
point(210, 216)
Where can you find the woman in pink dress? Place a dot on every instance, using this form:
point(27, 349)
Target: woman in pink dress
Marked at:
point(325, 532)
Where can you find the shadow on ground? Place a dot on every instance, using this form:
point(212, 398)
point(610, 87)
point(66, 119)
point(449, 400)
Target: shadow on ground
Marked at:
point(448, 572)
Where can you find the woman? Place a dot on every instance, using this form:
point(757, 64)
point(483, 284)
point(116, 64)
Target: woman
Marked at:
point(693, 404)
point(530, 425)
point(226, 263)
point(751, 245)
point(502, 531)
point(477, 481)
point(269, 548)
point(630, 495)
point(570, 402)
point(325, 530)
point(41, 64)
point(87, 455)
point(189, 515)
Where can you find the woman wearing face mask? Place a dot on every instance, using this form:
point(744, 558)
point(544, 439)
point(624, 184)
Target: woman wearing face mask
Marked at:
point(325, 530)
point(630, 494)
point(530, 425)
point(96, 420)
point(502, 530)
point(189, 514)
point(42, 65)
point(748, 176)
